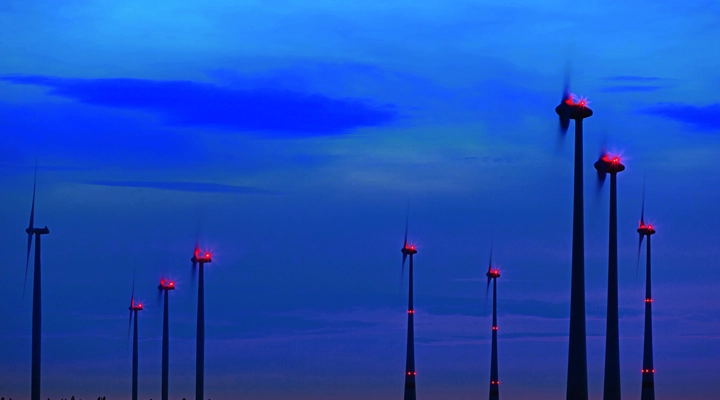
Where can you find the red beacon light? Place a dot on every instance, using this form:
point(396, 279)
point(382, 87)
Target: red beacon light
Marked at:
point(409, 249)
point(166, 285)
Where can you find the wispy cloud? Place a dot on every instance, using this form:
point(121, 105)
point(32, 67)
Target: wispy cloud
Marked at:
point(703, 117)
point(184, 186)
point(630, 88)
point(633, 78)
point(188, 103)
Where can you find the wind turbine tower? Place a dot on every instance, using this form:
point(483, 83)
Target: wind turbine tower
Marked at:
point(648, 371)
point(410, 373)
point(572, 108)
point(166, 287)
point(198, 262)
point(37, 306)
point(611, 165)
point(493, 274)
point(134, 308)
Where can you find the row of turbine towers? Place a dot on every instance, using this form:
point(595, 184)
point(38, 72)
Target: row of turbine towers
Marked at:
point(570, 108)
point(576, 109)
point(199, 259)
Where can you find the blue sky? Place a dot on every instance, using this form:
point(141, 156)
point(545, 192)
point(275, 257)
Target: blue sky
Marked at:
point(289, 138)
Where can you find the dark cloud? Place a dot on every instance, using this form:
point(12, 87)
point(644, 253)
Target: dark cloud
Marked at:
point(184, 186)
point(703, 117)
point(188, 103)
point(630, 88)
point(633, 78)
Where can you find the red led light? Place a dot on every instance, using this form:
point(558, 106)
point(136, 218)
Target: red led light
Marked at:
point(411, 311)
point(648, 300)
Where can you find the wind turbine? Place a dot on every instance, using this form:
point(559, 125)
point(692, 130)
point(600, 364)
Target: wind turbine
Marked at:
point(493, 274)
point(573, 108)
point(198, 261)
point(410, 373)
point(165, 286)
point(37, 306)
point(608, 164)
point(134, 308)
point(648, 371)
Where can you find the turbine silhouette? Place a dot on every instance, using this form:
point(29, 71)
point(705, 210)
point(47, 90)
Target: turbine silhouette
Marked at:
point(134, 308)
point(410, 373)
point(37, 298)
point(165, 287)
point(611, 391)
point(199, 261)
point(573, 108)
point(648, 371)
point(493, 274)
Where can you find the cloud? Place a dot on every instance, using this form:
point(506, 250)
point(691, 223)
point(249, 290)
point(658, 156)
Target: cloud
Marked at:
point(630, 88)
point(633, 78)
point(194, 104)
point(703, 117)
point(184, 186)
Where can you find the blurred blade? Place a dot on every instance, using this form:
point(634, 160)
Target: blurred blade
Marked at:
point(566, 94)
point(487, 289)
point(407, 222)
point(601, 179)
point(637, 264)
point(566, 83)
point(402, 273)
point(127, 342)
point(642, 210)
point(564, 125)
point(30, 229)
point(132, 304)
point(490, 262)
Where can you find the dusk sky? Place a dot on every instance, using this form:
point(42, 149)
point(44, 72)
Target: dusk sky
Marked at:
point(288, 138)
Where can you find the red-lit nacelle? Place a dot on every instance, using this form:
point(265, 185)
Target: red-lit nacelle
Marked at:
point(646, 230)
point(166, 285)
point(609, 164)
point(136, 307)
point(493, 273)
point(204, 258)
point(408, 249)
point(573, 107)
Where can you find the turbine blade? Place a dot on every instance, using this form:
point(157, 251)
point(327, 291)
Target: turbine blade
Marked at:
point(642, 210)
point(402, 273)
point(601, 179)
point(29, 231)
point(491, 251)
point(127, 342)
point(487, 289)
point(637, 264)
point(132, 304)
point(566, 82)
point(566, 94)
point(407, 222)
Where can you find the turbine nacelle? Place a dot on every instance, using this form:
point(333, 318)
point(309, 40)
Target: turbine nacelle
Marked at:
point(408, 249)
point(136, 307)
point(201, 258)
point(645, 230)
point(37, 231)
point(609, 164)
point(166, 285)
point(493, 273)
point(569, 109)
